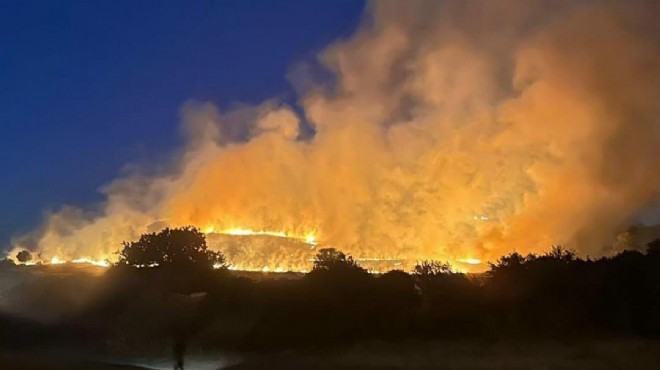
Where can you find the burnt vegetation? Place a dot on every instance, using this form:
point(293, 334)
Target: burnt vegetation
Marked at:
point(165, 286)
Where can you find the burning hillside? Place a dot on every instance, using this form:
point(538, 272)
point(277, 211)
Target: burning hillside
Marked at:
point(265, 251)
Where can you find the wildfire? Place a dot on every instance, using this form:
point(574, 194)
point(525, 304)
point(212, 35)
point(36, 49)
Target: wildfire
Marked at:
point(100, 263)
point(470, 261)
point(309, 238)
point(261, 269)
point(379, 264)
point(59, 260)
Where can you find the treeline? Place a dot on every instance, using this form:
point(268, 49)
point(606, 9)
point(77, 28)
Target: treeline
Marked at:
point(553, 295)
point(165, 285)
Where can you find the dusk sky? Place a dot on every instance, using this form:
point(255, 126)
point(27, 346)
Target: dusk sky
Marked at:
point(87, 87)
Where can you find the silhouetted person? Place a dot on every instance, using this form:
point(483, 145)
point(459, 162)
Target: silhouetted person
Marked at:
point(185, 309)
point(179, 346)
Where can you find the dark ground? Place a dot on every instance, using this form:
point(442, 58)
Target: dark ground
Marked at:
point(550, 311)
point(618, 354)
point(27, 361)
point(605, 354)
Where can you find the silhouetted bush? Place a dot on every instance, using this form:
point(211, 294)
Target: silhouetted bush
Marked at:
point(6, 263)
point(331, 259)
point(429, 269)
point(24, 256)
point(653, 248)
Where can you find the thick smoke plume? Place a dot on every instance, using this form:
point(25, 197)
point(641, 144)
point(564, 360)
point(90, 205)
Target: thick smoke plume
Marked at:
point(450, 130)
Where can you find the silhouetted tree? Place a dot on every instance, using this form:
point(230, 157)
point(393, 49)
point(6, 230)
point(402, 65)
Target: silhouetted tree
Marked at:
point(343, 306)
point(177, 263)
point(447, 299)
point(396, 299)
point(24, 256)
point(653, 248)
point(426, 269)
point(559, 254)
point(179, 248)
point(332, 259)
point(513, 261)
point(508, 286)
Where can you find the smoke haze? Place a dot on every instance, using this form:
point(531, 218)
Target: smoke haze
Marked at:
point(450, 130)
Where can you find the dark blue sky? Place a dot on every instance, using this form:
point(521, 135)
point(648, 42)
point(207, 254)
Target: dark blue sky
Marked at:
point(88, 86)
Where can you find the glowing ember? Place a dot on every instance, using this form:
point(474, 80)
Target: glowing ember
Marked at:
point(100, 263)
point(308, 238)
point(55, 260)
point(383, 259)
point(246, 232)
point(470, 261)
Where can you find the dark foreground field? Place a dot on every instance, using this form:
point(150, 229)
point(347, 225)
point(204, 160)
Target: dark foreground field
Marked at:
point(616, 354)
point(26, 361)
point(606, 354)
point(550, 311)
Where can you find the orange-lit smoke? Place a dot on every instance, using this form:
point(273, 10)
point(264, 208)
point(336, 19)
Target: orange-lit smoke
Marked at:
point(452, 130)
